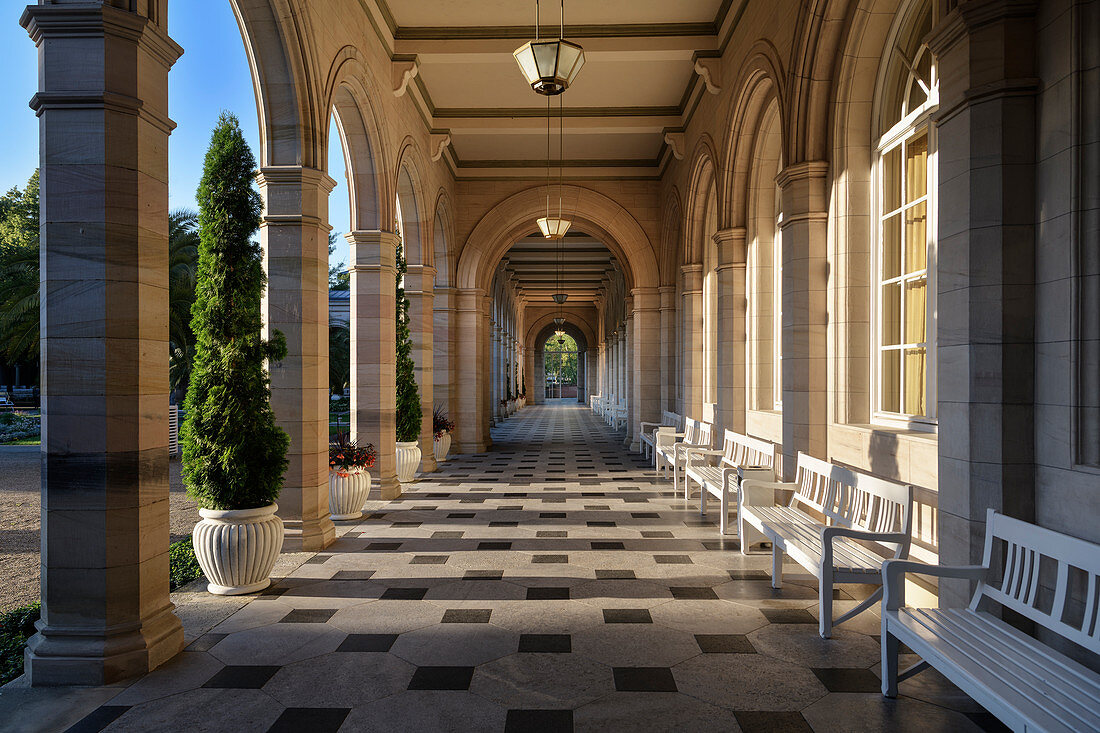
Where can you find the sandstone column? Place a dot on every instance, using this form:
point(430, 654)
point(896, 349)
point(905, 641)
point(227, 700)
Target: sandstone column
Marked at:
point(592, 366)
point(420, 289)
point(646, 337)
point(103, 87)
point(692, 339)
point(471, 365)
point(805, 311)
point(374, 350)
point(732, 309)
point(985, 278)
point(443, 342)
point(668, 347)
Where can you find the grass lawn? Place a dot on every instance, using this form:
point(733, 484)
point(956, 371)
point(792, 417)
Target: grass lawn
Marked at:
point(24, 441)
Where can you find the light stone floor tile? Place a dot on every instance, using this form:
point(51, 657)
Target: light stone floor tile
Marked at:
point(708, 617)
point(543, 681)
point(186, 672)
point(277, 644)
point(387, 617)
point(635, 645)
point(800, 644)
point(857, 713)
point(622, 593)
point(340, 680)
point(455, 645)
point(420, 711)
point(748, 682)
point(197, 710)
point(653, 711)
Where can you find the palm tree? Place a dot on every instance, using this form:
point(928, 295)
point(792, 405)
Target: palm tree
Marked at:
point(183, 254)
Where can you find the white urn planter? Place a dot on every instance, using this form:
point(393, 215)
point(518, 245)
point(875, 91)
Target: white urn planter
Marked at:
point(441, 446)
point(347, 491)
point(237, 548)
point(408, 460)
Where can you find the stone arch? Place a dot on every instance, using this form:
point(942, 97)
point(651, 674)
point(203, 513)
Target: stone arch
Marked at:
point(349, 94)
point(671, 230)
point(703, 185)
point(592, 212)
point(410, 196)
point(582, 331)
point(443, 241)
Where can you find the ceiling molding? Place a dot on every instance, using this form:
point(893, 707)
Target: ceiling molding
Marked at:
point(621, 30)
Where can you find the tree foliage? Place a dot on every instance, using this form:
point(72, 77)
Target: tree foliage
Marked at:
point(19, 307)
point(338, 276)
point(183, 260)
point(408, 397)
point(234, 454)
point(339, 358)
point(561, 358)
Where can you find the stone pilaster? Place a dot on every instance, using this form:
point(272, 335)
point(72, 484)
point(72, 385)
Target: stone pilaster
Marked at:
point(732, 333)
point(471, 385)
point(103, 86)
point(646, 337)
point(985, 276)
point(374, 350)
point(443, 342)
point(668, 347)
point(420, 289)
point(805, 311)
point(692, 354)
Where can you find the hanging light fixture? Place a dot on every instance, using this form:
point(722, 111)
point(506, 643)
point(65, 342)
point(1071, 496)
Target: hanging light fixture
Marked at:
point(555, 227)
point(551, 65)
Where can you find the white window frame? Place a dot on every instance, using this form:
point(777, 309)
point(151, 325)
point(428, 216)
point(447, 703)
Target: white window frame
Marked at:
point(908, 126)
point(777, 306)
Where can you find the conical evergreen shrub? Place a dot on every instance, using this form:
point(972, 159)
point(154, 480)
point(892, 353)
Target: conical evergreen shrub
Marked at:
point(234, 455)
point(408, 397)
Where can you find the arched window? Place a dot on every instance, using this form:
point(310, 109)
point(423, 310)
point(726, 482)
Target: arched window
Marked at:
point(906, 236)
point(777, 297)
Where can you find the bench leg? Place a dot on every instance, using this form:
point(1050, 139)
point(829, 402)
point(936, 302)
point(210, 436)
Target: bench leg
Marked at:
point(825, 605)
point(724, 520)
point(890, 649)
point(777, 565)
point(703, 500)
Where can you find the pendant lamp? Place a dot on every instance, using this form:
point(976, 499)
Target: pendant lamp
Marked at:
point(549, 65)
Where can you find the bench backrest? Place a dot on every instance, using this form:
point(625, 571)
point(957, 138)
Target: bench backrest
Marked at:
point(744, 451)
point(670, 419)
point(703, 432)
point(1073, 564)
point(691, 428)
point(848, 499)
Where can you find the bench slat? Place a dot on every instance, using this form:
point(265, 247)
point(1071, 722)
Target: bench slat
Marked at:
point(847, 555)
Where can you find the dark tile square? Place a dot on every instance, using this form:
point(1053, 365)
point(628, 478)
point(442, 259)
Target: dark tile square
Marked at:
point(424, 508)
point(551, 515)
point(608, 546)
point(367, 643)
point(788, 616)
point(597, 508)
point(724, 644)
point(483, 575)
point(546, 643)
point(98, 719)
point(987, 722)
point(409, 525)
point(694, 593)
point(548, 594)
point(749, 575)
point(205, 642)
point(384, 546)
point(318, 560)
point(308, 616)
point(503, 524)
point(353, 575)
point(242, 677)
point(645, 515)
point(550, 559)
point(722, 545)
point(429, 560)
point(447, 535)
point(539, 721)
point(752, 721)
point(376, 515)
point(672, 559)
point(600, 524)
point(844, 679)
point(657, 534)
point(273, 591)
point(467, 615)
point(315, 720)
point(644, 679)
point(552, 533)
point(627, 616)
point(461, 515)
point(404, 594)
point(615, 575)
point(494, 545)
point(441, 678)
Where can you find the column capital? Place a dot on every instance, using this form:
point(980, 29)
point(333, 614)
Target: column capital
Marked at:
point(806, 170)
point(419, 279)
point(372, 248)
point(646, 299)
point(295, 175)
point(668, 296)
point(692, 278)
point(732, 251)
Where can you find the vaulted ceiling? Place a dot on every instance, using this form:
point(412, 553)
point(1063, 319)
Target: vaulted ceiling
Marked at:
point(638, 83)
point(583, 264)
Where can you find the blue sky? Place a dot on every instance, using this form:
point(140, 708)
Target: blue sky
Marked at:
point(212, 75)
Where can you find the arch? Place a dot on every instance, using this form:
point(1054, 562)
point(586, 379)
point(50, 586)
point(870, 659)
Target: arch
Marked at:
point(582, 331)
point(592, 212)
point(670, 238)
point(442, 241)
point(360, 134)
point(410, 198)
point(702, 187)
point(286, 102)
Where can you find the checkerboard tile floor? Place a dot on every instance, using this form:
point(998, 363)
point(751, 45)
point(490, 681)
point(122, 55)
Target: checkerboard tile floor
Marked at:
point(554, 583)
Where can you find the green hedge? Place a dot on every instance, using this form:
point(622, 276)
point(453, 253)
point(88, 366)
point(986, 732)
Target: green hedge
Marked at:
point(16, 626)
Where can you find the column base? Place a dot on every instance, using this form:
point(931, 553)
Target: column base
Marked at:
point(57, 656)
point(389, 488)
point(427, 459)
point(635, 446)
point(312, 536)
point(471, 447)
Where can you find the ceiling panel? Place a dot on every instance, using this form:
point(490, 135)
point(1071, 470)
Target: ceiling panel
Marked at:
point(532, 147)
point(466, 13)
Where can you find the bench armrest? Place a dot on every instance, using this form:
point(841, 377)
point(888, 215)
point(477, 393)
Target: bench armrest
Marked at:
point(643, 426)
point(755, 492)
point(702, 452)
point(893, 578)
point(903, 540)
point(664, 438)
point(741, 474)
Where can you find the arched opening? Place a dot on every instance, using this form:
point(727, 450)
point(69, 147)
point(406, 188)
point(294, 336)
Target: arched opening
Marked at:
point(560, 365)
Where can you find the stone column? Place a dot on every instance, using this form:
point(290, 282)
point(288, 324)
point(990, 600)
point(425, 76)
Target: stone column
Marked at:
point(668, 347)
point(471, 385)
point(732, 334)
point(628, 368)
point(294, 236)
point(420, 289)
point(592, 361)
point(485, 306)
point(805, 311)
point(692, 307)
point(103, 86)
point(985, 276)
point(443, 343)
point(646, 336)
point(374, 350)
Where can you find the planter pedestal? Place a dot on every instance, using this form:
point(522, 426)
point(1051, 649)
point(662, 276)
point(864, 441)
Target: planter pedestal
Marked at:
point(237, 548)
point(347, 491)
point(441, 447)
point(408, 460)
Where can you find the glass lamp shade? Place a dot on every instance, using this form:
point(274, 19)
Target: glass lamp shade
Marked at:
point(559, 322)
point(552, 227)
point(549, 66)
point(559, 298)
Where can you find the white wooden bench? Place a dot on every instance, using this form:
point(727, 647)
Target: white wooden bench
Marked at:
point(594, 403)
point(663, 442)
point(669, 420)
point(618, 415)
point(701, 440)
point(1027, 684)
point(866, 520)
point(609, 403)
point(741, 457)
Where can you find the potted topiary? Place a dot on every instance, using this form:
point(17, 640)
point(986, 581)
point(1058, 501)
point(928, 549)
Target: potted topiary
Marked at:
point(523, 392)
point(408, 397)
point(442, 425)
point(348, 478)
point(234, 454)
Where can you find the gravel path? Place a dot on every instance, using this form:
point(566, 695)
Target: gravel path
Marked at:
point(20, 510)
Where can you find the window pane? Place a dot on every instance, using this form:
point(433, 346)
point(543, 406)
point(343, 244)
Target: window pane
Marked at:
point(916, 167)
point(891, 314)
point(915, 361)
point(890, 379)
point(891, 180)
point(915, 293)
point(891, 247)
point(916, 237)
